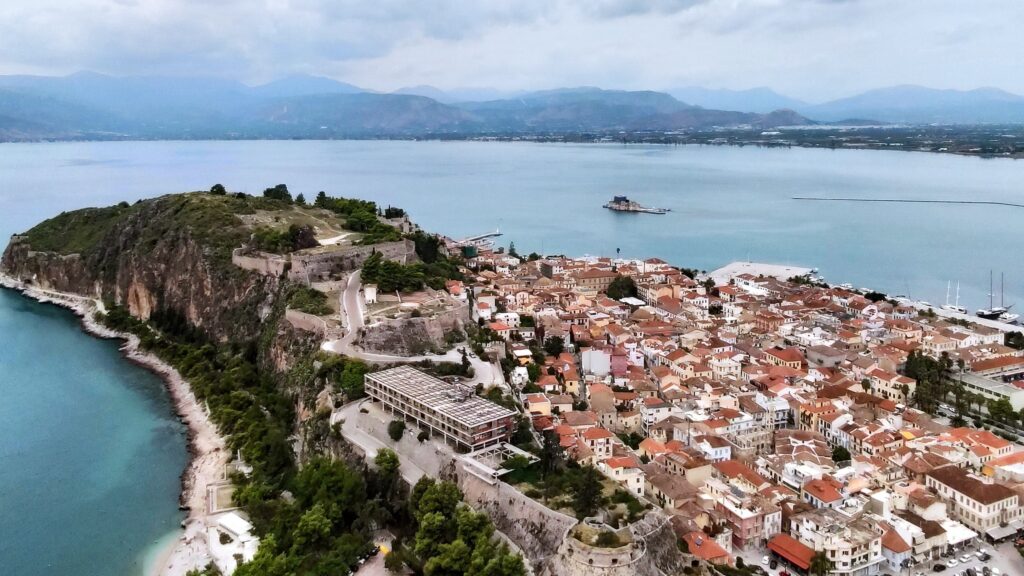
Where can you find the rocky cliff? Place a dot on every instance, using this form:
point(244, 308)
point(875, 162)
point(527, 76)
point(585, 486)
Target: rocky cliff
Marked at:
point(170, 254)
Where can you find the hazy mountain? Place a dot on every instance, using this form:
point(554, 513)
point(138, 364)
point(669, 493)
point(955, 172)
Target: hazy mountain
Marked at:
point(429, 92)
point(920, 105)
point(761, 100)
point(93, 105)
point(362, 115)
point(570, 109)
point(303, 85)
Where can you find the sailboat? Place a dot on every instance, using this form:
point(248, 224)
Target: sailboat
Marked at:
point(1001, 312)
point(954, 307)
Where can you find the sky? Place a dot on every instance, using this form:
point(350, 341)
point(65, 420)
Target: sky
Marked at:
point(810, 49)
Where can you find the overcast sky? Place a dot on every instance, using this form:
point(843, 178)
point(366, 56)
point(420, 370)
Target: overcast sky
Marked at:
point(811, 49)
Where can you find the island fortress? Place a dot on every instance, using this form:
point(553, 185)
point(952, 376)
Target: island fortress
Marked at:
point(610, 416)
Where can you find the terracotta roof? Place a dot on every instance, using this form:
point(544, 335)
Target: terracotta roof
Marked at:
point(891, 540)
point(704, 547)
point(975, 489)
point(791, 549)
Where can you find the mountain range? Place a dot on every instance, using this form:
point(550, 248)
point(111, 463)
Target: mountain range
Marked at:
point(89, 105)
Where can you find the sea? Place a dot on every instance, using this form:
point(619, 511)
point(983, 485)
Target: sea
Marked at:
point(90, 452)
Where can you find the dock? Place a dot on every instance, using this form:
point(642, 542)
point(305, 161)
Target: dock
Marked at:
point(943, 313)
point(779, 271)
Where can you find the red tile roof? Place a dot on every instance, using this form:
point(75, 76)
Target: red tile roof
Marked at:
point(791, 549)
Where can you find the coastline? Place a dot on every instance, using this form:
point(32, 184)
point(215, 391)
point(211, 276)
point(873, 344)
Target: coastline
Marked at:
point(208, 455)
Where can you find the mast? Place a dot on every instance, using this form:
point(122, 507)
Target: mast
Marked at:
point(947, 292)
point(958, 293)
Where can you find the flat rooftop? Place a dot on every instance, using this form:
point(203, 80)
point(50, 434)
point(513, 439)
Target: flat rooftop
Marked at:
point(458, 403)
point(780, 271)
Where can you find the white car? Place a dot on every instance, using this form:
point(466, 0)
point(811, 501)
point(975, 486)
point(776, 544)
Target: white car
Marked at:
point(952, 563)
point(965, 558)
point(996, 572)
point(764, 560)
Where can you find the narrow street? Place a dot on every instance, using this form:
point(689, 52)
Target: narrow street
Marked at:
point(486, 373)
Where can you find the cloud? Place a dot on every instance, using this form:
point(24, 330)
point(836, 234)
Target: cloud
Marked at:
point(810, 48)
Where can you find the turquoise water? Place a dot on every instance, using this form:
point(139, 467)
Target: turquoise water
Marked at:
point(89, 451)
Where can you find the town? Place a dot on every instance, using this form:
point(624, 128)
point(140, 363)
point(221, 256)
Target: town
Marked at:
point(781, 425)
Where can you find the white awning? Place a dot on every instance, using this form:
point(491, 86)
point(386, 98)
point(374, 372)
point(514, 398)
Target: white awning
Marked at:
point(1000, 532)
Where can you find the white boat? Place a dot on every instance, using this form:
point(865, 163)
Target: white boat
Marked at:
point(954, 307)
point(1009, 317)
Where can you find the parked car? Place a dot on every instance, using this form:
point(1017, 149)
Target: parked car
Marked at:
point(965, 558)
point(952, 563)
point(939, 567)
point(773, 564)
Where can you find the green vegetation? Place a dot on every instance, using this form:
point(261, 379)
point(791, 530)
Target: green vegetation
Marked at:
point(562, 483)
point(346, 374)
point(279, 192)
point(396, 428)
point(75, 232)
point(621, 287)
point(360, 216)
point(308, 300)
point(820, 564)
point(632, 439)
point(326, 527)
point(453, 540)
point(840, 454)
point(284, 242)
point(931, 376)
point(554, 345)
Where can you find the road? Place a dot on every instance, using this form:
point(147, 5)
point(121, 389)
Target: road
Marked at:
point(349, 416)
point(486, 373)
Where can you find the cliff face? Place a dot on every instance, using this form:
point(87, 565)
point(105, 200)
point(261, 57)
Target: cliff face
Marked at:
point(160, 254)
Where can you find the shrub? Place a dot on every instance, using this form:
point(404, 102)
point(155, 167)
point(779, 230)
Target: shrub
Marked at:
point(423, 436)
point(607, 540)
point(396, 428)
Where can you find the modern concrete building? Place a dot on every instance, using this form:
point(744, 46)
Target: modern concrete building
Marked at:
point(453, 412)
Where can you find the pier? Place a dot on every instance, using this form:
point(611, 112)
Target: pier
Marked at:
point(478, 239)
point(909, 201)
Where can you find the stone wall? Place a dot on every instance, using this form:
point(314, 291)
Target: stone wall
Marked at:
point(536, 530)
point(260, 262)
point(307, 322)
point(413, 336)
point(321, 265)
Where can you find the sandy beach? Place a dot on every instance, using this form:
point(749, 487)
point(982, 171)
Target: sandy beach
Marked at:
point(207, 448)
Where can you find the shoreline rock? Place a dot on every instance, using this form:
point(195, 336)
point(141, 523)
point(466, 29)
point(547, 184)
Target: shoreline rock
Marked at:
point(208, 455)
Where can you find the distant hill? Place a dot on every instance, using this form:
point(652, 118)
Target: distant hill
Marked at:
point(96, 106)
point(761, 100)
point(920, 105)
point(429, 92)
point(303, 85)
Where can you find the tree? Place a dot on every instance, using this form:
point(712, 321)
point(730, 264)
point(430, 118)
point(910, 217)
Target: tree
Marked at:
point(840, 454)
point(820, 564)
point(386, 461)
point(587, 493)
point(554, 345)
point(395, 429)
point(218, 190)
point(621, 287)
point(512, 250)
point(300, 199)
point(551, 456)
point(279, 192)
point(865, 385)
point(314, 529)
